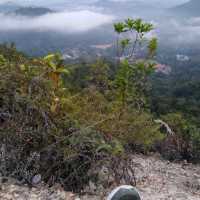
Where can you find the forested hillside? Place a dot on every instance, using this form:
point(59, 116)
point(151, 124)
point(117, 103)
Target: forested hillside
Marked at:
point(62, 121)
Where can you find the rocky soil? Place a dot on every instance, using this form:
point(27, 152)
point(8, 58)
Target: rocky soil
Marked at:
point(156, 179)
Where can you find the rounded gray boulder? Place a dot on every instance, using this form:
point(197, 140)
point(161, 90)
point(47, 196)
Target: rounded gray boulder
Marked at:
point(124, 192)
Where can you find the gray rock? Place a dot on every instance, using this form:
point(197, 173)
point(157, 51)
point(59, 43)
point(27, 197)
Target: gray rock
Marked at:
point(36, 179)
point(124, 192)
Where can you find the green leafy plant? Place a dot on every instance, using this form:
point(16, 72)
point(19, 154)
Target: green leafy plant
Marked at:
point(184, 143)
point(136, 28)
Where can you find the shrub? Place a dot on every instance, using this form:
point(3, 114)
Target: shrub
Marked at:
point(185, 142)
point(111, 118)
point(60, 128)
point(37, 132)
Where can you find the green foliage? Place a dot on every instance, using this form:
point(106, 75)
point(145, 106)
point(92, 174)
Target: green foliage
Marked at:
point(75, 116)
point(130, 24)
point(131, 82)
point(152, 46)
point(114, 120)
point(119, 27)
point(99, 75)
point(185, 143)
point(2, 60)
point(122, 81)
point(136, 28)
point(125, 43)
point(142, 27)
point(131, 77)
point(178, 92)
point(9, 52)
point(38, 115)
point(138, 25)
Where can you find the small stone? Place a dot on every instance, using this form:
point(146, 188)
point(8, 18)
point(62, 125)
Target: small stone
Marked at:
point(36, 179)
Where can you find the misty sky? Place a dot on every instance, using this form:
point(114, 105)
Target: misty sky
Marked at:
point(83, 20)
point(89, 18)
point(165, 3)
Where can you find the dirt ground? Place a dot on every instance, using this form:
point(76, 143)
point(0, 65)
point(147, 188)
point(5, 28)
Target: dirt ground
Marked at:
point(157, 179)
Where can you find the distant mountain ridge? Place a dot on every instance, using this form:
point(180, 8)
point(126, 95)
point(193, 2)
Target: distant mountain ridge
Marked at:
point(31, 11)
point(191, 8)
point(11, 8)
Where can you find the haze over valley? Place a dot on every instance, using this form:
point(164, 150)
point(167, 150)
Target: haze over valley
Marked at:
point(59, 25)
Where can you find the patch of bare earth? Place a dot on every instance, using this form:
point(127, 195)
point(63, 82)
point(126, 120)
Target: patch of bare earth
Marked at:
point(162, 180)
point(156, 179)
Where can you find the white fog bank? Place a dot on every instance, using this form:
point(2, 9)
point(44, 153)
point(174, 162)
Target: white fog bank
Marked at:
point(77, 21)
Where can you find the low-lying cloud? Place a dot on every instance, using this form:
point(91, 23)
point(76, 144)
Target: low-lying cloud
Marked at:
point(180, 32)
point(69, 22)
